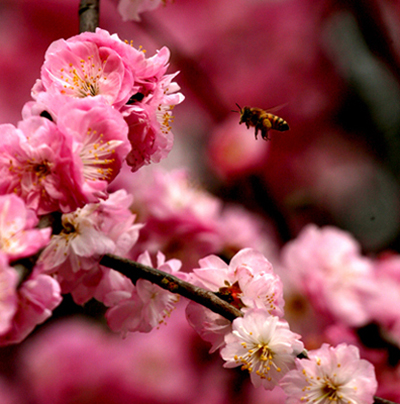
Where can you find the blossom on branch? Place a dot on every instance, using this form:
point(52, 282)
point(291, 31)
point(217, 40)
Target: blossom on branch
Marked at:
point(248, 282)
point(331, 374)
point(73, 255)
point(263, 345)
point(141, 307)
point(97, 64)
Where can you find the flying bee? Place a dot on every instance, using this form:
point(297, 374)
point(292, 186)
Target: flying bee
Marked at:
point(262, 120)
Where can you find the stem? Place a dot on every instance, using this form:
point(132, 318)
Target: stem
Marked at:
point(134, 271)
point(378, 400)
point(88, 15)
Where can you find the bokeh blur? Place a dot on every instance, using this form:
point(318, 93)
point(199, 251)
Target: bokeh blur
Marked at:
point(331, 69)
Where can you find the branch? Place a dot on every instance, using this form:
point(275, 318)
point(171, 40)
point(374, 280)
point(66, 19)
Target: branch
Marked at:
point(88, 15)
point(134, 271)
point(378, 400)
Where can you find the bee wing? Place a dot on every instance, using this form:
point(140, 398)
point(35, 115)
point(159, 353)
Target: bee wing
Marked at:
point(277, 108)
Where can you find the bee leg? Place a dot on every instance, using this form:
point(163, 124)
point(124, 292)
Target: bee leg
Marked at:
point(264, 134)
point(265, 127)
point(256, 133)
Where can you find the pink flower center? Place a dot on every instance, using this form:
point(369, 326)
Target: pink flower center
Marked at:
point(258, 356)
point(83, 80)
point(96, 156)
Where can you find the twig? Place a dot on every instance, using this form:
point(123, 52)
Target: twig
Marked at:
point(134, 271)
point(378, 400)
point(88, 15)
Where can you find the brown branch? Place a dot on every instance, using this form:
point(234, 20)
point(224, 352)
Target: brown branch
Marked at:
point(134, 271)
point(378, 400)
point(88, 15)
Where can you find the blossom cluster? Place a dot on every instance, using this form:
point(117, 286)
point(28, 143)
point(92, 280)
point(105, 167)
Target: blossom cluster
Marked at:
point(99, 102)
point(101, 107)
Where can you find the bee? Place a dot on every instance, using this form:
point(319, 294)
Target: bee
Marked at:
point(262, 120)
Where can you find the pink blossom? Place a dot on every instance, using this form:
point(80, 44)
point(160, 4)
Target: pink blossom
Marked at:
point(89, 233)
point(263, 345)
point(247, 282)
point(119, 221)
point(62, 167)
point(99, 144)
point(331, 374)
point(8, 294)
point(126, 317)
point(88, 65)
point(100, 64)
point(35, 160)
point(38, 296)
point(329, 268)
point(211, 326)
point(149, 135)
point(78, 246)
point(46, 104)
point(149, 121)
point(114, 288)
point(148, 305)
point(18, 238)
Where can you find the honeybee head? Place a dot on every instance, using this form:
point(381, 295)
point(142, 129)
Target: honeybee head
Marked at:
point(245, 114)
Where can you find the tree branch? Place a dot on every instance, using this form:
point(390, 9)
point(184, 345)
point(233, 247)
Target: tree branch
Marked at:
point(378, 400)
point(134, 271)
point(88, 15)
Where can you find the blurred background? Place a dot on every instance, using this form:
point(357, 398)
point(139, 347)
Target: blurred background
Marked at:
point(332, 68)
